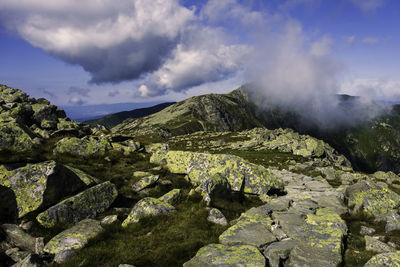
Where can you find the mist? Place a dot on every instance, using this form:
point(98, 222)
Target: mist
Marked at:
point(290, 73)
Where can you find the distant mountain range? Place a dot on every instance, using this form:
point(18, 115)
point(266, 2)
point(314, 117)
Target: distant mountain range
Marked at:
point(91, 112)
point(117, 118)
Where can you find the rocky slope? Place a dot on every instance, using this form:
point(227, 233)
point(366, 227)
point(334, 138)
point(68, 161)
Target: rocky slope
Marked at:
point(370, 145)
point(227, 196)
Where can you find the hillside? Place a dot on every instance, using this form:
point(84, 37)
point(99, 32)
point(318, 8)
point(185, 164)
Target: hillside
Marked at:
point(230, 112)
point(117, 118)
point(233, 194)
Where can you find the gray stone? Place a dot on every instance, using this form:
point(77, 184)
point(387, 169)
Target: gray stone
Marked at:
point(19, 238)
point(391, 259)
point(172, 197)
point(87, 204)
point(145, 182)
point(373, 244)
point(279, 251)
point(110, 219)
point(74, 238)
point(366, 230)
point(222, 255)
point(392, 222)
point(216, 216)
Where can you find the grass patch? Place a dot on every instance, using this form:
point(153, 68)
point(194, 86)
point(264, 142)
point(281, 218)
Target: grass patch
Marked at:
point(154, 241)
point(356, 255)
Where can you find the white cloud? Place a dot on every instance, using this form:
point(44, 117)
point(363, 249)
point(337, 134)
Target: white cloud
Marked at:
point(387, 90)
point(76, 101)
point(368, 5)
point(321, 47)
point(112, 40)
point(370, 40)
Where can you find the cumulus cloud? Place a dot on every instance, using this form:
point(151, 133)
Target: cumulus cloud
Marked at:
point(79, 91)
point(368, 5)
point(114, 40)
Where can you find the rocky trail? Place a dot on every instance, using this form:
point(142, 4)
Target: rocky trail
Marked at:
point(71, 195)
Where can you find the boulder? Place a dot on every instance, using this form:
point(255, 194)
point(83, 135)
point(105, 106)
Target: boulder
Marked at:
point(145, 182)
point(41, 185)
point(87, 146)
point(215, 186)
point(87, 204)
point(110, 219)
point(252, 228)
point(279, 251)
point(217, 217)
point(384, 260)
point(392, 221)
point(222, 255)
point(172, 197)
point(371, 198)
point(240, 174)
point(19, 238)
point(17, 142)
point(147, 207)
point(366, 230)
point(74, 238)
point(373, 244)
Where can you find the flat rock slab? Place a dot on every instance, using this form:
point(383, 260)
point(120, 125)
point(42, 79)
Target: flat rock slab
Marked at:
point(252, 228)
point(172, 197)
point(87, 204)
point(222, 255)
point(74, 238)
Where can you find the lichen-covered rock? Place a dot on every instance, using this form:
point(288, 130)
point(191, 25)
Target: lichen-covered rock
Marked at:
point(224, 256)
point(217, 217)
point(241, 174)
point(87, 204)
point(252, 228)
point(145, 182)
point(366, 230)
point(372, 198)
point(41, 185)
point(17, 142)
point(83, 147)
point(127, 147)
point(147, 207)
point(279, 251)
point(392, 221)
point(86, 178)
point(216, 185)
point(19, 238)
point(110, 219)
point(374, 244)
point(387, 177)
point(326, 230)
point(171, 197)
point(391, 259)
point(75, 237)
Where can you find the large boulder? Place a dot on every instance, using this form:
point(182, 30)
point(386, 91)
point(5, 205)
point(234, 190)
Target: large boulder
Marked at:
point(372, 198)
point(224, 256)
point(147, 207)
point(40, 185)
point(83, 147)
point(87, 204)
point(73, 238)
point(17, 142)
point(241, 174)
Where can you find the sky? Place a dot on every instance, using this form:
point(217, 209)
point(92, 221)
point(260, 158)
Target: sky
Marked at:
point(86, 52)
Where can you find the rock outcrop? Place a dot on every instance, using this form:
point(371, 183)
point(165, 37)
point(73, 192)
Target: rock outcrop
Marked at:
point(87, 204)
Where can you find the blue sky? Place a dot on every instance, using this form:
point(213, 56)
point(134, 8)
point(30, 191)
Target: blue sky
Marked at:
point(93, 52)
